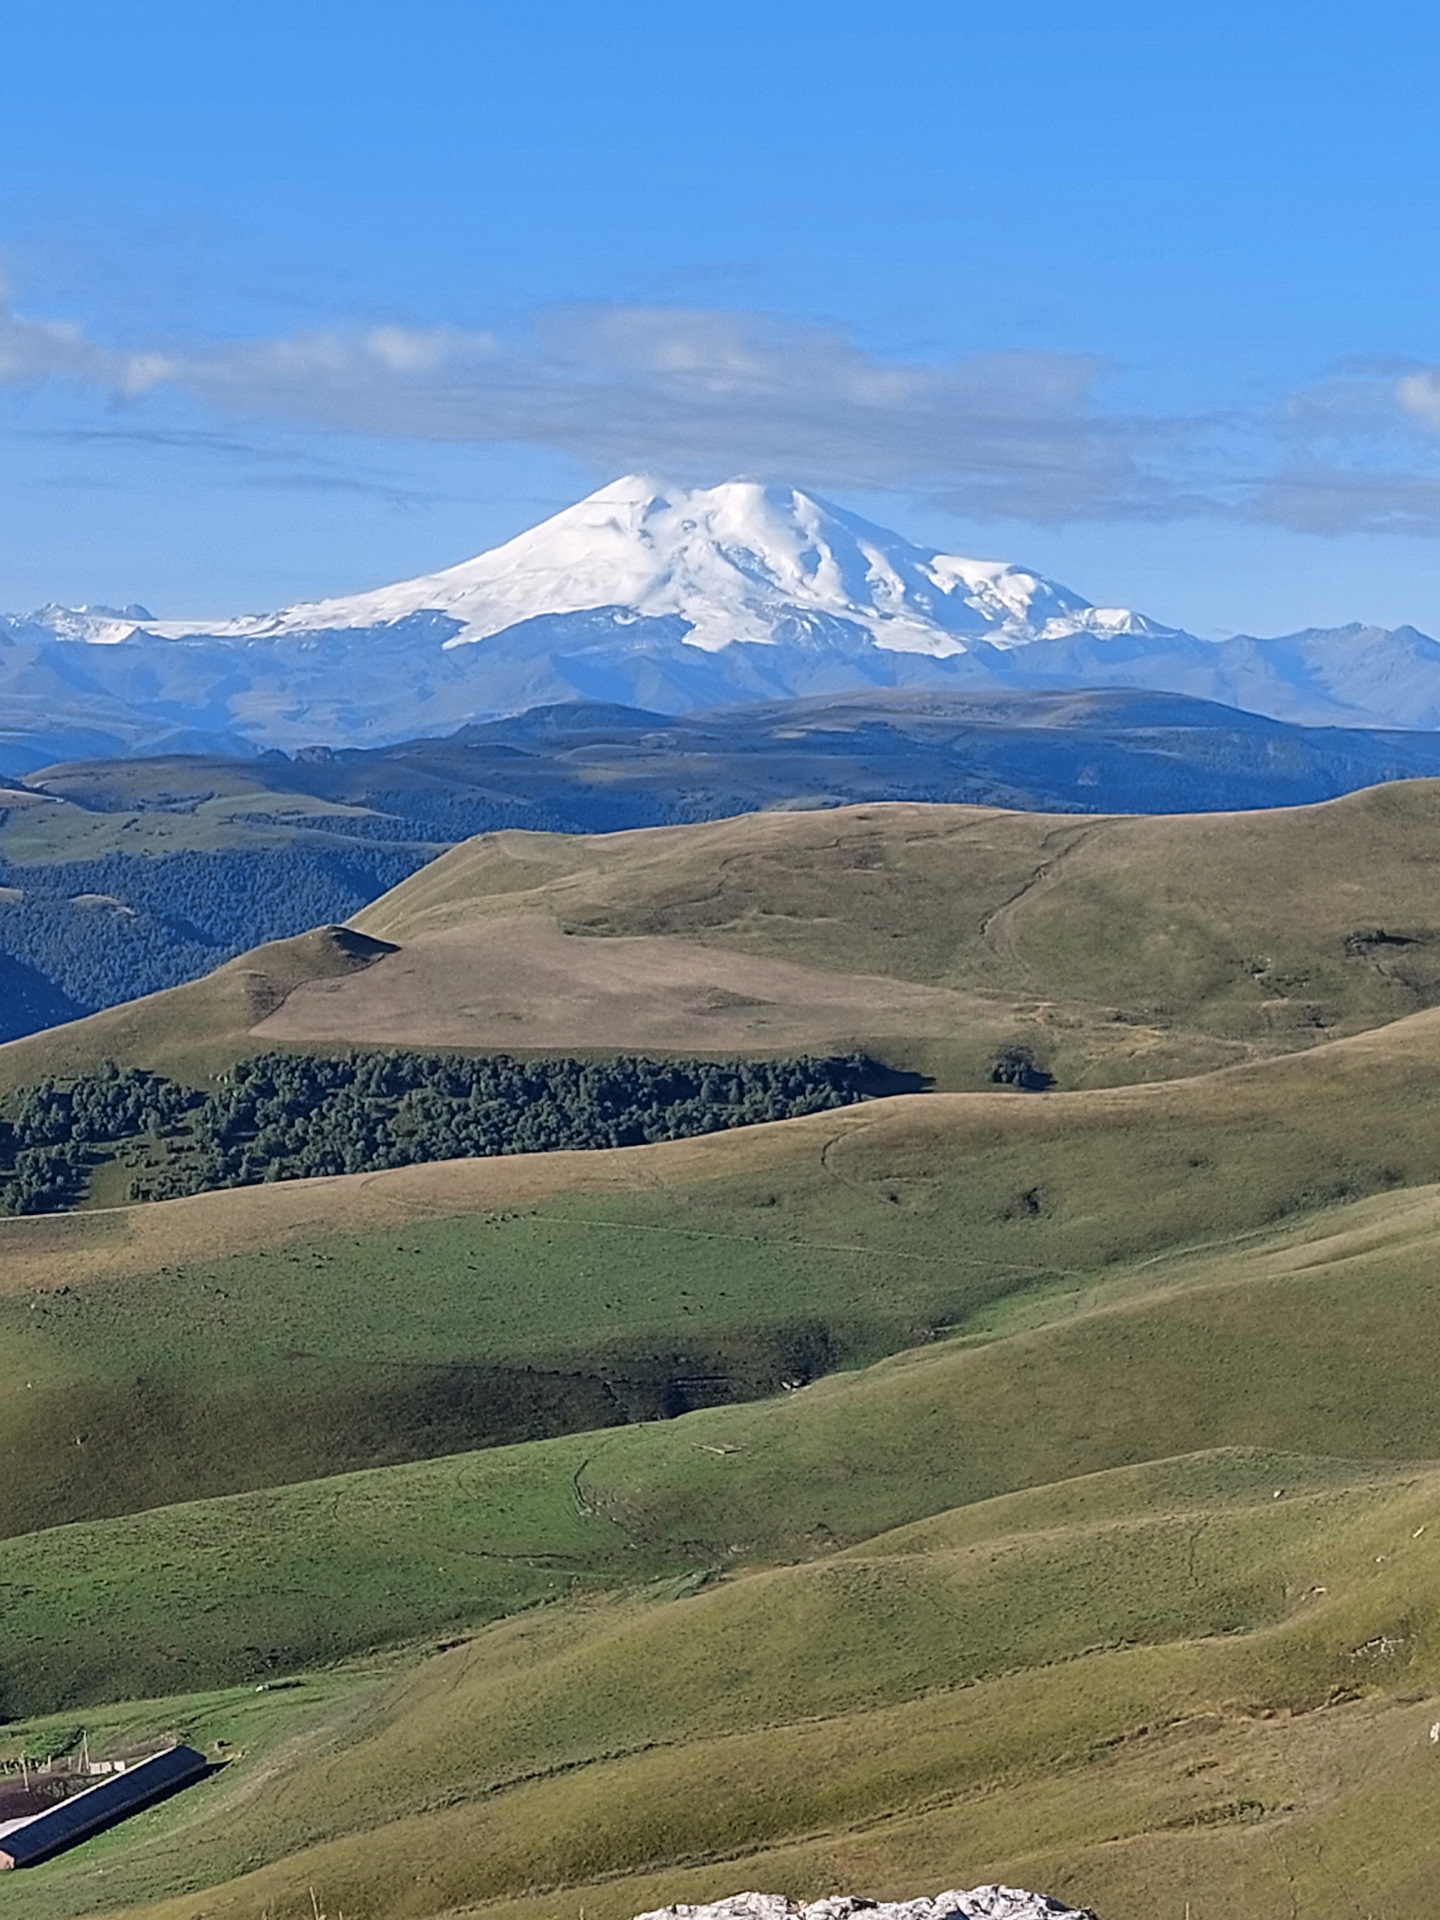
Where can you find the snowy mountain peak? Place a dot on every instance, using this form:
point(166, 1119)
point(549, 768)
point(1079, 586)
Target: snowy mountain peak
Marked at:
point(738, 562)
point(104, 626)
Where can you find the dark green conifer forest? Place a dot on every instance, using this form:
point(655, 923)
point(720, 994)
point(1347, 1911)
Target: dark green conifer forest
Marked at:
point(287, 1116)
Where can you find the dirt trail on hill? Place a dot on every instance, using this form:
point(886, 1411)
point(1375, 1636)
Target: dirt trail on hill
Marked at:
point(998, 927)
point(520, 982)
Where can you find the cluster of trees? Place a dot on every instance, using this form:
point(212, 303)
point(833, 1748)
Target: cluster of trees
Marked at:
point(287, 1116)
point(112, 1103)
point(283, 1116)
point(107, 930)
point(48, 1141)
point(45, 1179)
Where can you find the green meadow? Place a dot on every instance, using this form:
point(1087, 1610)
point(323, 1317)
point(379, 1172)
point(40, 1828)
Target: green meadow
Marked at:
point(1319, 1343)
point(1191, 1654)
point(961, 1486)
point(141, 1368)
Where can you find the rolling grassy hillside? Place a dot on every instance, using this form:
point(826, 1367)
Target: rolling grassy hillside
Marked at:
point(1082, 1533)
point(1194, 1668)
point(118, 877)
point(1115, 949)
point(937, 938)
point(358, 1321)
point(1319, 1341)
point(1255, 926)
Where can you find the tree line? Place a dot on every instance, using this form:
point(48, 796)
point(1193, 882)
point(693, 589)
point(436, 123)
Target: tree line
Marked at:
point(287, 1116)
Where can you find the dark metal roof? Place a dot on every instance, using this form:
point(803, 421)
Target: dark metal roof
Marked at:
point(115, 1798)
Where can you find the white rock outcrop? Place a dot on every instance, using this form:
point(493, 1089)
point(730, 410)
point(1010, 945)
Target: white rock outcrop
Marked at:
point(979, 1903)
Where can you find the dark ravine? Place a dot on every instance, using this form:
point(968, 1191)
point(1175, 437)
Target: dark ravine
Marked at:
point(99, 1450)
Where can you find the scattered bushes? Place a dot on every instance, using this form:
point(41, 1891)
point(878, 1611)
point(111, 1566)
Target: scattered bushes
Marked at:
point(1017, 1067)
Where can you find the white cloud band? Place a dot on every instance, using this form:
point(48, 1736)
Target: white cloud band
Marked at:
point(700, 392)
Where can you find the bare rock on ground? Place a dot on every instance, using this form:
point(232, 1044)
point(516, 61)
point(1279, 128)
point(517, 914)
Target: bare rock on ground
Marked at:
point(980, 1903)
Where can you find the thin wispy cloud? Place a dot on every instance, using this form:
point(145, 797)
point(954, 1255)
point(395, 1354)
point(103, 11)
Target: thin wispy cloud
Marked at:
point(33, 351)
point(1028, 436)
point(1314, 498)
point(1356, 451)
point(257, 462)
point(697, 392)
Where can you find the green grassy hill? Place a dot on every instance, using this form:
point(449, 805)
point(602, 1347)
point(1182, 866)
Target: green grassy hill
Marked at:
point(266, 1335)
point(1242, 926)
point(1318, 1341)
point(1060, 1491)
point(1215, 1672)
point(1111, 950)
point(1117, 1594)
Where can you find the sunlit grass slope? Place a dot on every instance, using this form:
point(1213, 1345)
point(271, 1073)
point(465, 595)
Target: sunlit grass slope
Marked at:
point(1322, 1343)
point(1235, 924)
point(909, 1627)
point(1115, 948)
point(1175, 1662)
point(381, 1318)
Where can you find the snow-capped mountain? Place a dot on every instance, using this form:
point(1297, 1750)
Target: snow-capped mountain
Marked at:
point(104, 625)
point(657, 597)
point(739, 562)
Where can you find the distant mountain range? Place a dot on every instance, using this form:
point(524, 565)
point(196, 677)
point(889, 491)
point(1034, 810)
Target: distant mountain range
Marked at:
point(589, 767)
point(658, 598)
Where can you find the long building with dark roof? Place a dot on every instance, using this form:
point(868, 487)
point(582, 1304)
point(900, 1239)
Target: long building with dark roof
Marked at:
point(116, 1798)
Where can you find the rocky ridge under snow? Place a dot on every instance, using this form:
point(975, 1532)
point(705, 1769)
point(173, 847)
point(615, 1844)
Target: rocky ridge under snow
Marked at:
point(980, 1903)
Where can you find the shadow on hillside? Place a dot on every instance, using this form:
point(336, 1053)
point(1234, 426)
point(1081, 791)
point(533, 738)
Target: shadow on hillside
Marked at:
point(879, 1081)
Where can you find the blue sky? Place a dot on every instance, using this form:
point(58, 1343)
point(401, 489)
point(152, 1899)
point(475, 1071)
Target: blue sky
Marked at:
point(305, 297)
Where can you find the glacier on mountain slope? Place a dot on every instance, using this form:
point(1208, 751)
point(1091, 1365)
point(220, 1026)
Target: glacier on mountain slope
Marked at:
point(664, 598)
